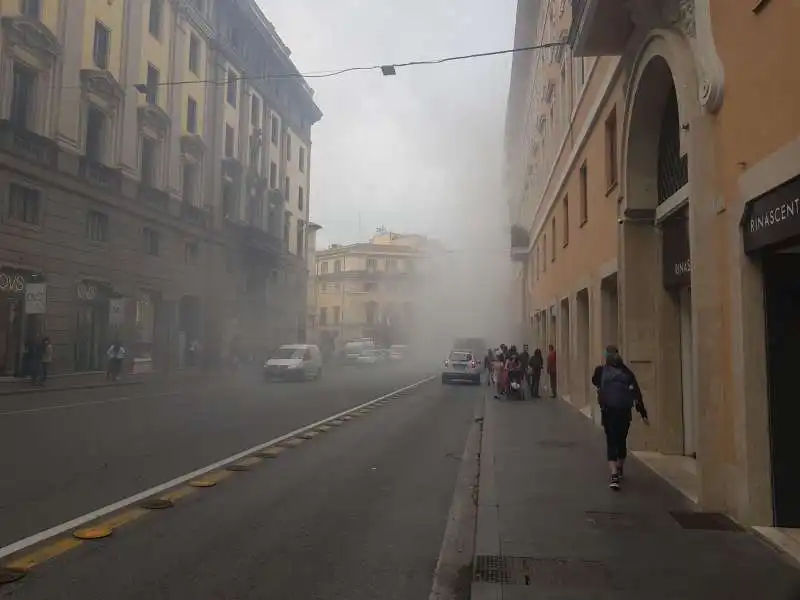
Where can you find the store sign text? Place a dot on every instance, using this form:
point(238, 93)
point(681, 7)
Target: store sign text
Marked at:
point(683, 268)
point(11, 283)
point(782, 212)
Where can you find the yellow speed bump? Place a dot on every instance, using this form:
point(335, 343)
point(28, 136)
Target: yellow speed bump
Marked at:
point(337, 423)
point(29, 561)
point(294, 442)
point(178, 494)
point(323, 428)
point(203, 483)
point(92, 533)
point(272, 452)
point(309, 435)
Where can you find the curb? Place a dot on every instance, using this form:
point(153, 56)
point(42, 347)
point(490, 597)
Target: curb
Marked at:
point(67, 388)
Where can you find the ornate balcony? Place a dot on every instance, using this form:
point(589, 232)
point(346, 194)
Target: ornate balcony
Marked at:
point(99, 174)
point(600, 27)
point(28, 145)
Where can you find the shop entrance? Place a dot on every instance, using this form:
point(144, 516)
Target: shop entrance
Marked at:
point(687, 375)
point(782, 305)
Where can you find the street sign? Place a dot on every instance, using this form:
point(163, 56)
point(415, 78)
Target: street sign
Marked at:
point(116, 311)
point(36, 298)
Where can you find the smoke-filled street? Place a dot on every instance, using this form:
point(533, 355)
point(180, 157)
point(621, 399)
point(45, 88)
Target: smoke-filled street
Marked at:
point(358, 510)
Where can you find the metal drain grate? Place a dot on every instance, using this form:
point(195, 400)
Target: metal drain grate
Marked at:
point(528, 570)
point(556, 444)
point(705, 521)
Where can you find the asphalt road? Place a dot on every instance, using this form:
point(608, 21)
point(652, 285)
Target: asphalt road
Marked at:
point(357, 512)
point(66, 454)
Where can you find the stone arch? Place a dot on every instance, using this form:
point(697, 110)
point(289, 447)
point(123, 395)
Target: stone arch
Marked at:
point(660, 104)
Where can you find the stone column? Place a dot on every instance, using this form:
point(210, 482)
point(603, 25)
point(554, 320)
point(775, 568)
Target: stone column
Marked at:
point(68, 98)
point(178, 62)
point(706, 231)
point(131, 75)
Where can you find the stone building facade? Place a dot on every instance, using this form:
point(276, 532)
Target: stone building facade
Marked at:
point(153, 180)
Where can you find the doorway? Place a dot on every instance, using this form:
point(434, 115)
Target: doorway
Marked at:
point(91, 336)
point(609, 307)
point(782, 306)
point(687, 374)
point(564, 350)
point(582, 337)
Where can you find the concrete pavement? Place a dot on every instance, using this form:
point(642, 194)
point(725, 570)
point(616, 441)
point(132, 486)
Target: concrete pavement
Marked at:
point(550, 528)
point(356, 512)
point(68, 454)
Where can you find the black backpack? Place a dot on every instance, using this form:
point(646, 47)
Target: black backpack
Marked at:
point(616, 388)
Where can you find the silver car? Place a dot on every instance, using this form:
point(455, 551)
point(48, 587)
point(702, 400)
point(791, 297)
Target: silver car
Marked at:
point(461, 365)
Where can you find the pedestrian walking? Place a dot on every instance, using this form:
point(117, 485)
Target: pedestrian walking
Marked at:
point(618, 393)
point(536, 367)
point(46, 359)
point(116, 353)
point(552, 370)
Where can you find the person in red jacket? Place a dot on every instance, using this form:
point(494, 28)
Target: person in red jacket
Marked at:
point(552, 370)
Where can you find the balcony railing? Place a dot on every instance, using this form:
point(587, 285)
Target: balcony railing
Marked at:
point(601, 27)
point(28, 145)
point(158, 199)
point(99, 174)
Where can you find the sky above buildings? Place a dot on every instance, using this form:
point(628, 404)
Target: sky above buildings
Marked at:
point(420, 152)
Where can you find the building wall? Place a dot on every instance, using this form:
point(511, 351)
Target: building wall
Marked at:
point(208, 277)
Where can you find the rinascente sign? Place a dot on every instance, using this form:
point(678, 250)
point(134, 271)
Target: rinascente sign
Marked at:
point(675, 253)
point(772, 218)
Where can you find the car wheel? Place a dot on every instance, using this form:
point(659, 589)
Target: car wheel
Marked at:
point(445, 381)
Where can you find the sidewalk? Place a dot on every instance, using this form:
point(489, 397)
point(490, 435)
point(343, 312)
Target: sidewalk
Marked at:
point(80, 381)
point(550, 528)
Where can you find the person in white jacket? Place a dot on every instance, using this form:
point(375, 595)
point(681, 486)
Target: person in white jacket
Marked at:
point(116, 353)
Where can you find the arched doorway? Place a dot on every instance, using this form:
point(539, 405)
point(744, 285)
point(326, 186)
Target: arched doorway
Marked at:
point(655, 270)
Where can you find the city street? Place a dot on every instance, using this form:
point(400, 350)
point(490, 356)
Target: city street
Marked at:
point(357, 512)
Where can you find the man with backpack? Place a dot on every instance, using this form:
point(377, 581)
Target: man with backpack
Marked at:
point(618, 393)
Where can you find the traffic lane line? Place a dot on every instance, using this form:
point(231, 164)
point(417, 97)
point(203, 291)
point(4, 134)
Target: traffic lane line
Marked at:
point(155, 491)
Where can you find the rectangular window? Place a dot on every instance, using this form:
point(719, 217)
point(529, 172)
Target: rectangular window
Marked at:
point(301, 201)
point(230, 205)
point(191, 115)
point(300, 238)
point(231, 90)
point(276, 129)
point(190, 174)
point(288, 146)
point(153, 83)
point(553, 239)
point(565, 204)
point(191, 253)
point(255, 111)
point(30, 8)
point(544, 253)
point(24, 204)
point(229, 141)
point(149, 158)
point(611, 150)
point(95, 134)
point(273, 175)
point(335, 315)
point(323, 316)
point(337, 266)
point(97, 226)
point(302, 159)
point(287, 229)
point(101, 45)
point(287, 189)
point(154, 22)
point(323, 268)
point(194, 54)
point(22, 97)
point(584, 194)
point(151, 241)
point(372, 265)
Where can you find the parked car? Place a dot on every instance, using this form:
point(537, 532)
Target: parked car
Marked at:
point(369, 356)
point(461, 365)
point(294, 361)
point(355, 349)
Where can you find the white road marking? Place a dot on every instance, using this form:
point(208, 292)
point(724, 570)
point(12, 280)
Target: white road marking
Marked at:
point(28, 411)
point(125, 502)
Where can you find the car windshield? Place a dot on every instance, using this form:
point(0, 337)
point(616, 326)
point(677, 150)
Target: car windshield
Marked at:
point(460, 356)
point(286, 353)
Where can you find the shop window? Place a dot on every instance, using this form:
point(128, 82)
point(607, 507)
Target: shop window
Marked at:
point(194, 54)
point(151, 241)
point(22, 97)
point(102, 36)
point(97, 226)
point(153, 83)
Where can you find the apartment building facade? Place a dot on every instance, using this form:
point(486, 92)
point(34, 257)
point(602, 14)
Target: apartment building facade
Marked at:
point(367, 290)
point(653, 176)
point(145, 157)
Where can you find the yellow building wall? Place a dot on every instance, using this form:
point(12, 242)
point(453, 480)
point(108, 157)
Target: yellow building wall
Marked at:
point(112, 16)
point(48, 16)
point(156, 51)
point(299, 179)
point(194, 87)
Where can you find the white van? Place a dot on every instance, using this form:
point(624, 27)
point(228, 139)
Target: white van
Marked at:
point(294, 361)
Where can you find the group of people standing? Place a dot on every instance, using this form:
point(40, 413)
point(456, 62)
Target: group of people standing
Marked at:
point(37, 357)
point(505, 363)
point(618, 393)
